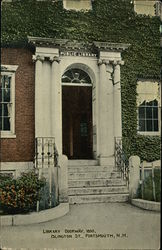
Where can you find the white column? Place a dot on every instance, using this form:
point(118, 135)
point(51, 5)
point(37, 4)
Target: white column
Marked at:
point(106, 136)
point(38, 95)
point(117, 102)
point(46, 92)
point(56, 103)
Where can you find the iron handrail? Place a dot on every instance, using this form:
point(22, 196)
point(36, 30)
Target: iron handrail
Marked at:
point(121, 162)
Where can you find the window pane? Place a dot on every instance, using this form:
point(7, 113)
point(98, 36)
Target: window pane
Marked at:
point(5, 89)
point(0, 123)
point(0, 94)
point(2, 81)
point(149, 125)
point(143, 104)
point(7, 82)
point(155, 103)
point(5, 105)
point(156, 127)
point(6, 95)
point(6, 123)
point(142, 125)
point(66, 79)
point(5, 108)
point(148, 113)
point(0, 109)
point(155, 113)
point(151, 103)
point(141, 112)
point(76, 76)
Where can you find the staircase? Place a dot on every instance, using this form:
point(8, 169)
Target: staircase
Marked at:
point(91, 183)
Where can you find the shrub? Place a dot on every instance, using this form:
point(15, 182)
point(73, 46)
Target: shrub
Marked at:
point(20, 195)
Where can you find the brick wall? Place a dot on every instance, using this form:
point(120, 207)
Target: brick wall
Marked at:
point(21, 148)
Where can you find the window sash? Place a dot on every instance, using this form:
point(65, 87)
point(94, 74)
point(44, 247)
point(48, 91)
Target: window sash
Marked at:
point(6, 101)
point(148, 118)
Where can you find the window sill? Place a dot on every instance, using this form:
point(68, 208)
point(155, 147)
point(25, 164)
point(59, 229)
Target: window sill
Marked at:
point(7, 134)
point(149, 133)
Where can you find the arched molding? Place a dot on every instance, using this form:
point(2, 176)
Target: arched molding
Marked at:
point(83, 67)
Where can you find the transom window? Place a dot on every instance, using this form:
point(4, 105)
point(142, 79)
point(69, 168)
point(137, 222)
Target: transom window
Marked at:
point(148, 116)
point(75, 77)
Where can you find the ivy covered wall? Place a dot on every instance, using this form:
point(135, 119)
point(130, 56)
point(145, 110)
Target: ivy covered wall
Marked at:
point(111, 21)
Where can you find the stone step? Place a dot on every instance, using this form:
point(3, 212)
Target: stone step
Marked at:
point(93, 175)
point(82, 162)
point(96, 182)
point(80, 169)
point(98, 198)
point(98, 190)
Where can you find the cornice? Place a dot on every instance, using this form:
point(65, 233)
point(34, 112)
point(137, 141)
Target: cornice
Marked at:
point(67, 45)
point(106, 46)
point(58, 43)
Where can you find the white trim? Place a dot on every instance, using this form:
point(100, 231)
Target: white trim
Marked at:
point(7, 134)
point(77, 84)
point(149, 133)
point(9, 68)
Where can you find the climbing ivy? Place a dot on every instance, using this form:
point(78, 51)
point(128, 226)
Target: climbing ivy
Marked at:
point(109, 20)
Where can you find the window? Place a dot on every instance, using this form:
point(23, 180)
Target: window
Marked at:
point(148, 116)
point(145, 7)
point(77, 5)
point(76, 77)
point(148, 110)
point(7, 101)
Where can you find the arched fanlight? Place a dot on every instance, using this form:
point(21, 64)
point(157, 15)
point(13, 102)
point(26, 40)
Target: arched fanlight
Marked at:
point(76, 76)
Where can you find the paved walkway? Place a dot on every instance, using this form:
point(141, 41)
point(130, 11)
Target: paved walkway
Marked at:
point(110, 225)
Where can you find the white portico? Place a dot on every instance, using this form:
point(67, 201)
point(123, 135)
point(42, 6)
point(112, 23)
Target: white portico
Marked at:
point(101, 62)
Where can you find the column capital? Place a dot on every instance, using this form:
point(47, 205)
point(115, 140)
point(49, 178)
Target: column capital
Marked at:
point(103, 61)
point(110, 62)
point(120, 62)
point(38, 57)
point(54, 59)
point(116, 62)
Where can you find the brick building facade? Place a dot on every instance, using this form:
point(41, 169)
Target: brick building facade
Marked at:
point(20, 148)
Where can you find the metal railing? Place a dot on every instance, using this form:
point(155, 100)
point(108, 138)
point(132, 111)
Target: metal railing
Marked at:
point(149, 176)
point(121, 163)
point(46, 165)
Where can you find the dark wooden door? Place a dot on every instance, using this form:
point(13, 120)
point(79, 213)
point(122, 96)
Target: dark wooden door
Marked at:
point(77, 122)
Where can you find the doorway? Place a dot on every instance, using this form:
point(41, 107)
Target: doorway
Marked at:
point(77, 122)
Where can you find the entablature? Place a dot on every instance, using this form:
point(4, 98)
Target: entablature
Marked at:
point(79, 48)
